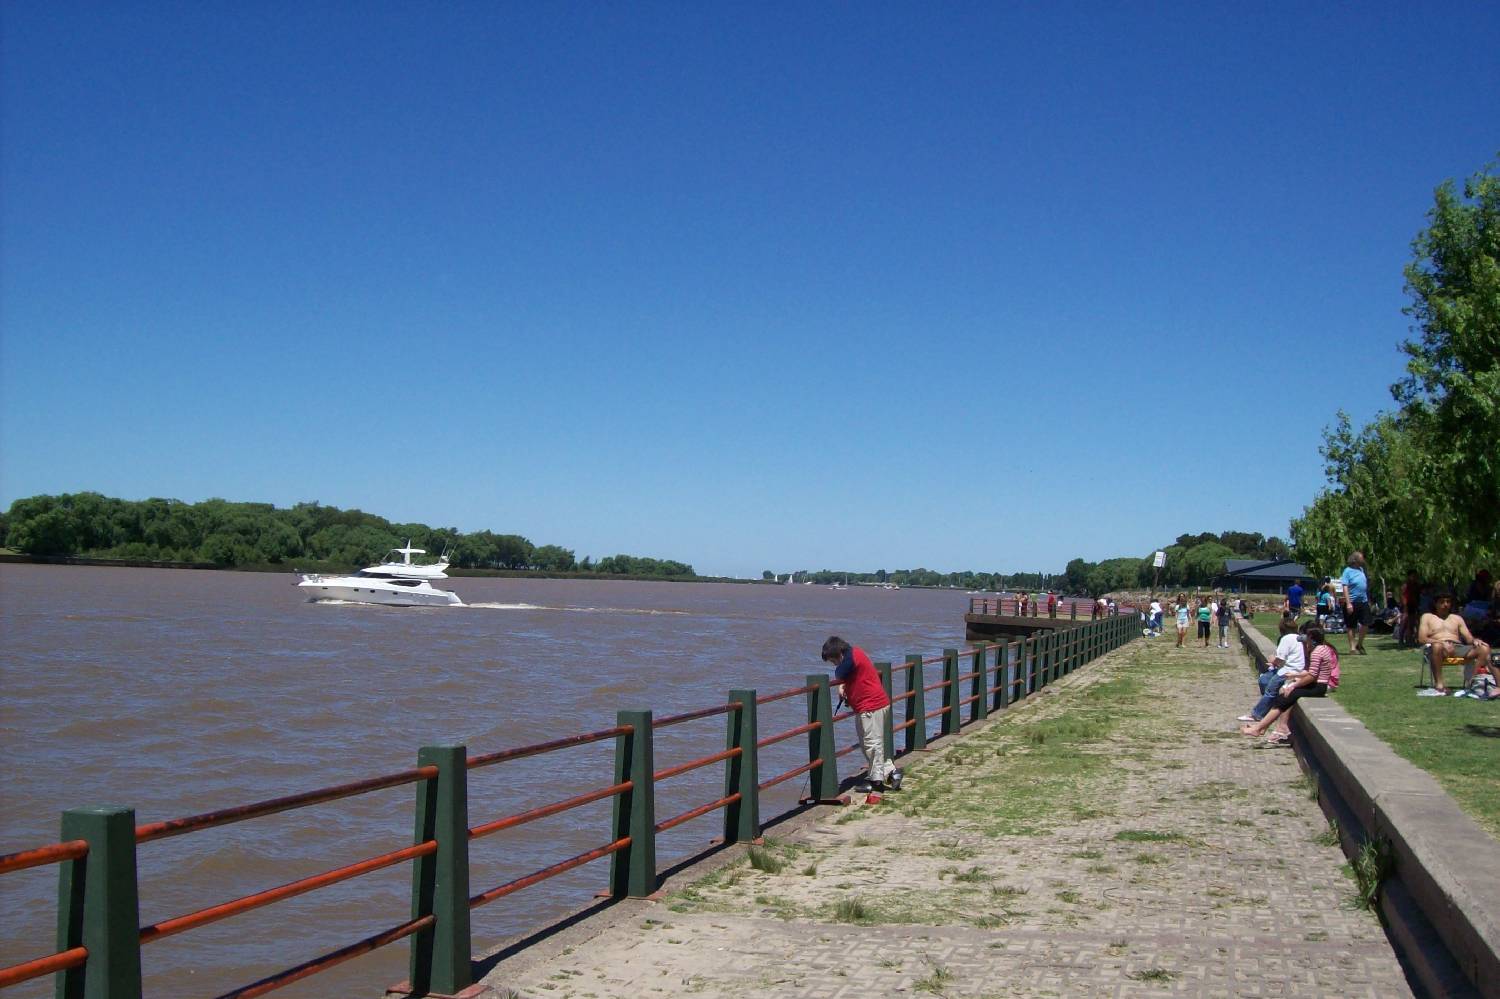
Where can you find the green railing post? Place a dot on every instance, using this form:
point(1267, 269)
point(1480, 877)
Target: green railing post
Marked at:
point(98, 906)
point(884, 669)
point(439, 959)
point(742, 772)
point(825, 778)
point(980, 688)
point(916, 705)
point(952, 718)
point(1010, 670)
point(1028, 654)
point(997, 689)
point(632, 871)
point(1073, 609)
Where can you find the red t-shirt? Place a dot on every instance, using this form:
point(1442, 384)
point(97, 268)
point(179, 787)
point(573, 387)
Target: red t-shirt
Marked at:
point(862, 687)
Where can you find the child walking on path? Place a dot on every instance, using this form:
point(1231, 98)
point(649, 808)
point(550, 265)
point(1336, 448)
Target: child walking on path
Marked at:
point(861, 687)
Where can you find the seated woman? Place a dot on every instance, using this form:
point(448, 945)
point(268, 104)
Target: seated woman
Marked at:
point(1288, 661)
point(1320, 676)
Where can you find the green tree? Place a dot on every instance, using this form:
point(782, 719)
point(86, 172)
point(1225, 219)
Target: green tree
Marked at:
point(1202, 562)
point(553, 558)
point(1078, 575)
point(1450, 396)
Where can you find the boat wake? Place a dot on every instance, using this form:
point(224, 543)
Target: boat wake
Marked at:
point(577, 610)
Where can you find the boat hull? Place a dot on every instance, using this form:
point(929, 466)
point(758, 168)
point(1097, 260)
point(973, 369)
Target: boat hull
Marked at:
point(374, 591)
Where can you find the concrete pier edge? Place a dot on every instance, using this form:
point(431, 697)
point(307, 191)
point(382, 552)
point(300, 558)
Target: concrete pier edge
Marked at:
point(1441, 904)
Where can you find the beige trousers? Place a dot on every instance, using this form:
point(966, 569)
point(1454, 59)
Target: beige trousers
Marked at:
point(871, 728)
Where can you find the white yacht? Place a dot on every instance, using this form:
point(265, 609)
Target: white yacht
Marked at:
point(397, 582)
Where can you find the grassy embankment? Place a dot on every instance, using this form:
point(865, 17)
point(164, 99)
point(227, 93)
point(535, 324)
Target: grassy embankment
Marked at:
point(1456, 739)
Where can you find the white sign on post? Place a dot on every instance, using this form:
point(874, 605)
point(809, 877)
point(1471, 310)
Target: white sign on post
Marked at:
point(1160, 560)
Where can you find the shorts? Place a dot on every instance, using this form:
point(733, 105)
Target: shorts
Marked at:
point(1202, 629)
point(1358, 617)
point(1181, 627)
point(1456, 650)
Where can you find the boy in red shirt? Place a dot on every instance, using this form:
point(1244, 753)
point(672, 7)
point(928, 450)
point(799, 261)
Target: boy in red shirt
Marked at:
point(861, 687)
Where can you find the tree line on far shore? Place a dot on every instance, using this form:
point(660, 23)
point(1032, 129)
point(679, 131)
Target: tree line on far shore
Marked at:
point(1192, 560)
point(237, 535)
point(966, 580)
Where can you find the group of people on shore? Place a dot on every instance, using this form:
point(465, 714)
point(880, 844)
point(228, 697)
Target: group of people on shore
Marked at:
point(1206, 611)
point(1429, 617)
point(1305, 663)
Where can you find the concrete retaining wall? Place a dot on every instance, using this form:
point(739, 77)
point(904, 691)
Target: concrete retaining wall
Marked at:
point(1441, 905)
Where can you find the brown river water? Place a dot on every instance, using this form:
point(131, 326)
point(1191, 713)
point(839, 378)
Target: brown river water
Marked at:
point(177, 692)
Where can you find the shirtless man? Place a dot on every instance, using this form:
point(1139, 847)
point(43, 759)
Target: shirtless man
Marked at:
point(1446, 636)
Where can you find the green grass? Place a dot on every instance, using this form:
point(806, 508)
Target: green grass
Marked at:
point(1457, 740)
point(852, 910)
point(765, 860)
point(936, 982)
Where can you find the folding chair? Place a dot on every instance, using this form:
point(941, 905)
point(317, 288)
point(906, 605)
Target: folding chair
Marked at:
point(1424, 672)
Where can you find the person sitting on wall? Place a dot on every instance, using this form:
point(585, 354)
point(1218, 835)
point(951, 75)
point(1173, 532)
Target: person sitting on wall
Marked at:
point(1320, 676)
point(1288, 661)
point(1444, 635)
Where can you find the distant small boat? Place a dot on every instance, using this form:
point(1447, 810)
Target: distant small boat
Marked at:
point(395, 582)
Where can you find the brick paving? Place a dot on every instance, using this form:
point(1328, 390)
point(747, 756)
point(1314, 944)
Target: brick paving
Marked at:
point(1187, 863)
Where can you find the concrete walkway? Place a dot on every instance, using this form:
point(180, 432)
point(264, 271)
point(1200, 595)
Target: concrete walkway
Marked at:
point(1115, 837)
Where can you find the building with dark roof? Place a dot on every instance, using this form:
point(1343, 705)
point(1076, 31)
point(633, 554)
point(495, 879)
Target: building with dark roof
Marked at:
point(1252, 575)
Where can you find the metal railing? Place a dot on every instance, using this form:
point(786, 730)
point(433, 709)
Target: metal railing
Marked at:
point(99, 938)
point(1066, 607)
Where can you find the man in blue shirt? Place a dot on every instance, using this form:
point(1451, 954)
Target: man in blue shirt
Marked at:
point(1356, 602)
point(1294, 598)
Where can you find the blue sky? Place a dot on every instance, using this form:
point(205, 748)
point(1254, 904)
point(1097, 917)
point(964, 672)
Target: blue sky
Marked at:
point(752, 286)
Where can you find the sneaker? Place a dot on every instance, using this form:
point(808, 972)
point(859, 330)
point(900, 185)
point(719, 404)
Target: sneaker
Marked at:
point(1249, 719)
point(895, 780)
point(863, 787)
